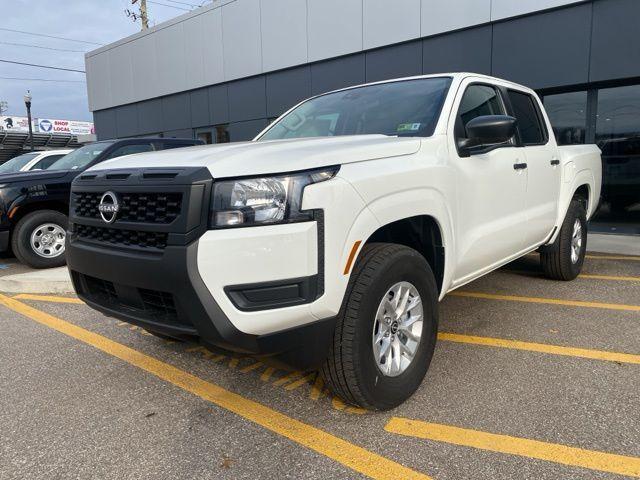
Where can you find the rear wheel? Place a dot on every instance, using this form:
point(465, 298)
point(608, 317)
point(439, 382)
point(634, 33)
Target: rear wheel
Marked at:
point(38, 239)
point(564, 258)
point(386, 330)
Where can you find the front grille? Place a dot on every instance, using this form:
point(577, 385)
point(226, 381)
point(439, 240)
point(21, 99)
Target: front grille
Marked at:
point(125, 238)
point(162, 208)
point(158, 303)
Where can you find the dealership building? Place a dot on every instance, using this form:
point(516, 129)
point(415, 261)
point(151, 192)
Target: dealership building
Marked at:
point(222, 72)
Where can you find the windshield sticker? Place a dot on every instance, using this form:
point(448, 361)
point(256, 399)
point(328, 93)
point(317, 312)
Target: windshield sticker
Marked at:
point(408, 127)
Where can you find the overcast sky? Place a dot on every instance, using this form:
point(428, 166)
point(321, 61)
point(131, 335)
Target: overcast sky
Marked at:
point(100, 21)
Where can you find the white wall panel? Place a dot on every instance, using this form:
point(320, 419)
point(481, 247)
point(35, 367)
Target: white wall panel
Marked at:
point(171, 52)
point(440, 16)
point(241, 39)
point(98, 83)
point(511, 8)
point(121, 74)
point(335, 28)
point(212, 47)
point(390, 21)
point(194, 51)
point(145, 69)
point(284, 33)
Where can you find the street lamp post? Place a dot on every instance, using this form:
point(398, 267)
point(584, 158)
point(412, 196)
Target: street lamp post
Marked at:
point(27, 102)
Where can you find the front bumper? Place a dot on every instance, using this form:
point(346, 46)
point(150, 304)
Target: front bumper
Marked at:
point(189, 288)
point(168, 296)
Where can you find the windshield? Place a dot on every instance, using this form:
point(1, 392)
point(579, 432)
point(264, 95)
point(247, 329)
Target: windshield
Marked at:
point(16, 163)
point(81, 157)
point(402, 108)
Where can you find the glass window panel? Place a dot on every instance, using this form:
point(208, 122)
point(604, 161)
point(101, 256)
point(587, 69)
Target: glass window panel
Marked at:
point(524, 109)
point(568, 116)
point(618, 136)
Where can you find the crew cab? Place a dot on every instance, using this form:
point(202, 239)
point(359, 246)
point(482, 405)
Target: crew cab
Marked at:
point(34, 204)
point(329, 239)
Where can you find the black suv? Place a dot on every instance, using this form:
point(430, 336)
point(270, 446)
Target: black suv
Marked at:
point(34, 205)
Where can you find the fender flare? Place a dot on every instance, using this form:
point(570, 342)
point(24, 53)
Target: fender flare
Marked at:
point(412, 203)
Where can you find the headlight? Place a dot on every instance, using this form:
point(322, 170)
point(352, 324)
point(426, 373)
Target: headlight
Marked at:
point(263, 200)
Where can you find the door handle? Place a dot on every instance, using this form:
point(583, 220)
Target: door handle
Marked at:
point(519, 166)
point(555, 161)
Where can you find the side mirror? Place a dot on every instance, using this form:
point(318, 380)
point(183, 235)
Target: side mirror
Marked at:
point(488, 130)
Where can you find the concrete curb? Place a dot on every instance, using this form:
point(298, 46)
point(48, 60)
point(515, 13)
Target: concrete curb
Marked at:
point(51, 280)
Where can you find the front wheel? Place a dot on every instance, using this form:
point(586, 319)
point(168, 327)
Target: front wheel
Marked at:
point(564, 258)
point(38, 239)
point(386, 329)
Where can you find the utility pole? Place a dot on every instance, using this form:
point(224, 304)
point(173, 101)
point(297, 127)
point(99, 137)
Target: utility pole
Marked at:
point(142, 15)
point(144, 18)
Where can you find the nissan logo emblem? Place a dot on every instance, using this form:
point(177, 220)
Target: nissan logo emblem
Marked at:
point(109, 207)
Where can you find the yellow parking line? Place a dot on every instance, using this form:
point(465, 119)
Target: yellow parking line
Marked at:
point(48, 298)
point(541, 348)
point(551, 452)
point(551, 301)
point(609, 277)
point(613, 257)
point(352, 456)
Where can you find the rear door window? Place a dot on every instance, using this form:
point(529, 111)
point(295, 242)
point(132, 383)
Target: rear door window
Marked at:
point(526, 111)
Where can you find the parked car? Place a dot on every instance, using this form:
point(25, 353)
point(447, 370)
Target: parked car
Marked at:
point(329, 240)
point(33, 161)
point(34, 205)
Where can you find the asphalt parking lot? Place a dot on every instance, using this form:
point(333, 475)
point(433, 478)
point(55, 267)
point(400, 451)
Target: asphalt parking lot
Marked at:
point(531, 379)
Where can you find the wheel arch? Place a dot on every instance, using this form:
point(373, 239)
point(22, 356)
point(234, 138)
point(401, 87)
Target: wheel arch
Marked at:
point(421, 233)
point(21, 211)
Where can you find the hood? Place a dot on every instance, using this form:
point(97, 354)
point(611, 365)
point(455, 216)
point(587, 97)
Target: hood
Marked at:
point(273, 156)
point(37, 176)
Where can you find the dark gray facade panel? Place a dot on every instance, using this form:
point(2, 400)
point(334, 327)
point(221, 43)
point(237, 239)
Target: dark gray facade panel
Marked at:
point(179, 133)
point(176, 111)
point(337, 73)
point(242, 131)
point(199, 107)
point(287, 88)
point(403, 60)
point(218, 104)
point(615, 43)
point(545, 50)
point(464, 51)
point(105, 123)
point(247, 99)
point(127, 120)
point(150, 116)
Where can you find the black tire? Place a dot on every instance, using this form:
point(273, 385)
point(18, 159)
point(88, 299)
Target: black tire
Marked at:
point(21, 238)
point(350, 370)
point(556, 259)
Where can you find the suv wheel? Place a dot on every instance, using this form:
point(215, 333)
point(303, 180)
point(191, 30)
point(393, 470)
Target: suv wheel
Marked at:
point(564, 258)
point(39, 239)
point(386, 329)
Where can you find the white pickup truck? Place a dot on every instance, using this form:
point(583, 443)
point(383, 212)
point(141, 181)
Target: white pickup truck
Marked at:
point(329, 239)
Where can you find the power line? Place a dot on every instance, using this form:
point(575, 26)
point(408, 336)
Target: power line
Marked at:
point(184, 3)
point(42, 80)
point(50, 36)
point(42, 66)
point(40, 46)
point(170, 6)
